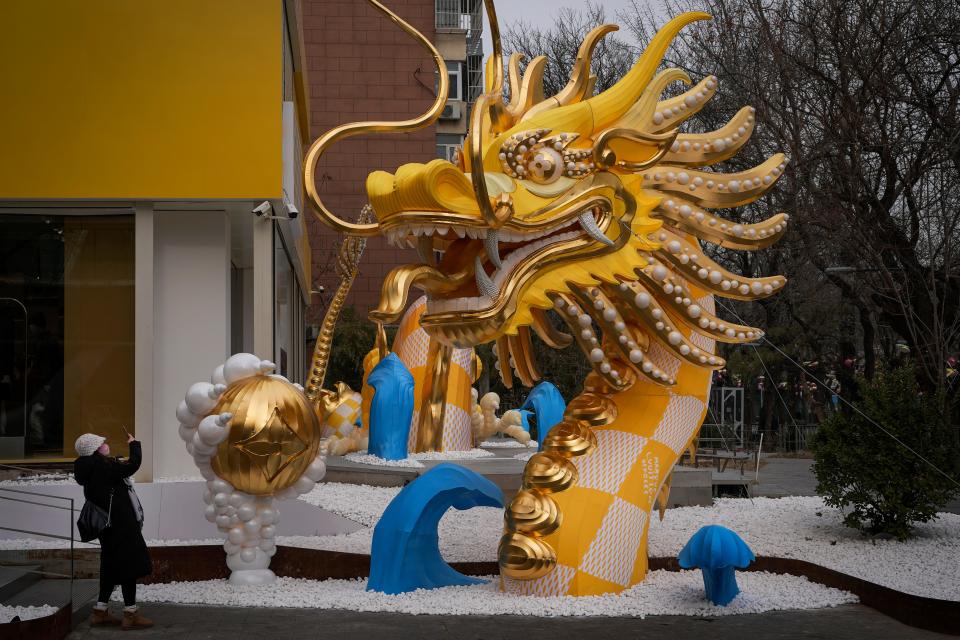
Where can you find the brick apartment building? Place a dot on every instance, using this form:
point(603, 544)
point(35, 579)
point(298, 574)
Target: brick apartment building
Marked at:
point(362, 67)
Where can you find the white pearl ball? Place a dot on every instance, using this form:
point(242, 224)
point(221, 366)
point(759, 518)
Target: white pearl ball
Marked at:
point(267, 515)
point(304, 485)
point(236, 535)
point(316, 470)
point(185, 416)
point(240, 366)
point(246, 512)
point(217, 376)
point(198, 398)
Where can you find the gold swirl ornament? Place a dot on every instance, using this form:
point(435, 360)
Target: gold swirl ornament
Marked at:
point(274, 435)
point(533, 513)
point(570, 438)
point(594, 409)
point(525, 558)
point(549, 472)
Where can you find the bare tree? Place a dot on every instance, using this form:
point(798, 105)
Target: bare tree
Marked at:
point(863, 94)
point(560, 42)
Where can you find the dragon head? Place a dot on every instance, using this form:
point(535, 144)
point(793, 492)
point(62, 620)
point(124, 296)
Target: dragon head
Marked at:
point(591, 205)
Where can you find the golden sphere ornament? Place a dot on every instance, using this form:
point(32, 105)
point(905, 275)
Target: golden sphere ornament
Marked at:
point(274, 435)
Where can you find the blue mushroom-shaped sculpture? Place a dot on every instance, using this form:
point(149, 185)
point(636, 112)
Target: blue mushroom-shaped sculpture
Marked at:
point(718, 552)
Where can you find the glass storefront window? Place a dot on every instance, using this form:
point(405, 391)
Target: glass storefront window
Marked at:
point(283, 291)
point(66, 332)
point(288, 315)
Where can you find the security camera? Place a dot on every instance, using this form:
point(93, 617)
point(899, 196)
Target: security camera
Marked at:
point(292, 211)
point(263, 209)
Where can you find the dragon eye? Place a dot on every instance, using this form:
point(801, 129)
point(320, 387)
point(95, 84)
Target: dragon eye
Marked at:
point(530, 156)
point(544, 165)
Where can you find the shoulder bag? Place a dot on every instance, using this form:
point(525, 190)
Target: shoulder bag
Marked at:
point(93, 520)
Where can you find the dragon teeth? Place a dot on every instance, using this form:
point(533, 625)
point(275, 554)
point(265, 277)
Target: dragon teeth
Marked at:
point(484, 284)
point(589, 225)
point(492, 244)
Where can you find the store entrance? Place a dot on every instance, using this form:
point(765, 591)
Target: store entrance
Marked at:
point(66, 331)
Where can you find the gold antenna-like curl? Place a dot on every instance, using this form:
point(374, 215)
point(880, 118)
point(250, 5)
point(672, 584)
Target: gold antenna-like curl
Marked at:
point(320, 145)
point(489, 105)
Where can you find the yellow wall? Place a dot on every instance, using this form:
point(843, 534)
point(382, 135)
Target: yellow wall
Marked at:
point(140, 99)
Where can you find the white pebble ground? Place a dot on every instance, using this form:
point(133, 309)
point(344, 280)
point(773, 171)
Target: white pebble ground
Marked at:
point(413, 460)
point(8, 613)
point(794, 527)
point(805, 528)
point(663, 593)
point(507, 443)
point(369, 458)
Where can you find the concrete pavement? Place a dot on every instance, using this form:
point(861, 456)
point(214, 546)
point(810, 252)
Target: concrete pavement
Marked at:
point(184, 622)
point(781, 477)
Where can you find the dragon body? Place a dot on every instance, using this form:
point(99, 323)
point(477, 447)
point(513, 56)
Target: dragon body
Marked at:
point(579, 217)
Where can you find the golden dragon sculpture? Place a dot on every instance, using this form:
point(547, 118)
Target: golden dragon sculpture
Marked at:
point(590, 208)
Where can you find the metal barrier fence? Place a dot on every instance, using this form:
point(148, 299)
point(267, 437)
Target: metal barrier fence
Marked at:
point(58, 507)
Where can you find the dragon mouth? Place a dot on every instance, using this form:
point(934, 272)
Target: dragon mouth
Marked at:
point(474, 311)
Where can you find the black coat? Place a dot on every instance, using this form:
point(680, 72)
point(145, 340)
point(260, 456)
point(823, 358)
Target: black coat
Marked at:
point(123, 552)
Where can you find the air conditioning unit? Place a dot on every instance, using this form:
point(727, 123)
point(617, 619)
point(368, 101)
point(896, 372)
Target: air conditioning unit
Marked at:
point(451, 112)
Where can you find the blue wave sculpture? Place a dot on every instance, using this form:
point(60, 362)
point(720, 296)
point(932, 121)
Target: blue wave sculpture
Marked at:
point(718, 552)
point(391, 408)
point(525, 419)
point(405, 554)
point(548, 405)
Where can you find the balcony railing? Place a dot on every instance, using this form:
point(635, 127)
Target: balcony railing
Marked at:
point(459, 14)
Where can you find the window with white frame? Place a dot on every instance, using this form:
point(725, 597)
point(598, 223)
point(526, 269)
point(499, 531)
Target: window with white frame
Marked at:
point(455, 73)
point(447, 146)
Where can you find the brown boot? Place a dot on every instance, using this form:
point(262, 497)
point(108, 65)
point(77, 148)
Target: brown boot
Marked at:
point(135, 620)
point(102, 618)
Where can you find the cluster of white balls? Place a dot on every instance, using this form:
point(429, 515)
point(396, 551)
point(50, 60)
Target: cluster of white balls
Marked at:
point(248, 521)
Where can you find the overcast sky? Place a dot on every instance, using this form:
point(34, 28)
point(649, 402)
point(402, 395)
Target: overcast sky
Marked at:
point(541, 12)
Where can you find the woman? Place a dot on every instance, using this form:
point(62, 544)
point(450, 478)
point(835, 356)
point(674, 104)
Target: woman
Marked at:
point(107, 483)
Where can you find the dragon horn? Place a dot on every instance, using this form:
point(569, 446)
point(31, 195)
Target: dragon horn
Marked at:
point(489, 105)
point(609, 106)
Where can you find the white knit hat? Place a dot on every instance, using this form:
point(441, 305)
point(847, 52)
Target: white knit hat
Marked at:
point(88, 443)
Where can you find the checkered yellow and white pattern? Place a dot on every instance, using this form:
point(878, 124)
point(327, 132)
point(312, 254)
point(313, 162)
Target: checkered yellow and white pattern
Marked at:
point(412, 345)
point(345, 417)
point(601, 545)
